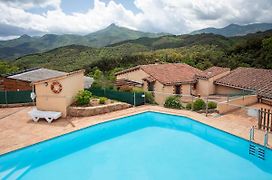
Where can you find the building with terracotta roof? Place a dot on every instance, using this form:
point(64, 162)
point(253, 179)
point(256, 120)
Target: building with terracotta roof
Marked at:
point(205, 84)
point(179, 78)
point(171, 78)
point(247, 79)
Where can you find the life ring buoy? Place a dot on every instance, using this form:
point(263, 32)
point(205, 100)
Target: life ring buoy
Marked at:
point(56, 87)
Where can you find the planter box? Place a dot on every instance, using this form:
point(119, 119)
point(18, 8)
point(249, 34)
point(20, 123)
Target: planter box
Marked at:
point(95, 110)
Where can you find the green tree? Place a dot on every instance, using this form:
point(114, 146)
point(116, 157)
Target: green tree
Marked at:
point(7, 68)
point(267, 57)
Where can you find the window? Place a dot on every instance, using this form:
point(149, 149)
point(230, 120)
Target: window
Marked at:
point(150, 86)
point(177, 89)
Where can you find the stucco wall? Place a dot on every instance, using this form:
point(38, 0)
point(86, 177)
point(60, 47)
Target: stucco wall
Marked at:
point(48, 101)
point(223, 90)
point(162, 92)
point(186, 89)
point(207, 87)
point(225, 107)
point(203, 87)
point(136, 75)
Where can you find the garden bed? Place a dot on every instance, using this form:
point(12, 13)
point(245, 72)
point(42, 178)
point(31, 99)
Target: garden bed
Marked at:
point(77, 111)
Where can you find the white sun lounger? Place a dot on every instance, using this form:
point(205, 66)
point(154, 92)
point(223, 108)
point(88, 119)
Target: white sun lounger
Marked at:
point(36, 114)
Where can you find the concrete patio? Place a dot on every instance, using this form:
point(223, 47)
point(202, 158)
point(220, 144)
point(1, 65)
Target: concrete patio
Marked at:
point(17, 130)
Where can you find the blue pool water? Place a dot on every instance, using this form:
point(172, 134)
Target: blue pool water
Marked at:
point(144, 146)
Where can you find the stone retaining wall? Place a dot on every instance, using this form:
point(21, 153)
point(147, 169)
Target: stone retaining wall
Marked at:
point(95, 110)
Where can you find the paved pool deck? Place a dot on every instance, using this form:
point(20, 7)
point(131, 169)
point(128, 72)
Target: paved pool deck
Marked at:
point(17, 130)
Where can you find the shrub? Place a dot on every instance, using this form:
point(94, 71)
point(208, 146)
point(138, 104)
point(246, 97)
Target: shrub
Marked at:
point(189, 106)
point(149, 98)
point(83, 97)
point(199, 104)
point(212, 105)
point(102, 100)
point(173, 102)
point(137, 90)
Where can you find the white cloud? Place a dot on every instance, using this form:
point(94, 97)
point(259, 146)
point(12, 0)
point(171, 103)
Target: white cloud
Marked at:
point(174, 16)
point(4, 38)
point(26, 4)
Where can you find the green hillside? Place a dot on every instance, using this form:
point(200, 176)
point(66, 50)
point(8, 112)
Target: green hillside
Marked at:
point(201, 51)
point(28, 45)
point(75, 57)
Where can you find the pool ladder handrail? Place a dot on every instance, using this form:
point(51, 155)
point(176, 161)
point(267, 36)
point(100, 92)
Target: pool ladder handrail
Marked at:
point(266, 138)
point(251, 133)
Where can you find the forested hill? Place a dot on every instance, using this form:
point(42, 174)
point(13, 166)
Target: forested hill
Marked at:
point(201, 51)
point(27, 45)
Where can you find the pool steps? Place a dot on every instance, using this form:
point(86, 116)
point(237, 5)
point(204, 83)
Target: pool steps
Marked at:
point(254, 149)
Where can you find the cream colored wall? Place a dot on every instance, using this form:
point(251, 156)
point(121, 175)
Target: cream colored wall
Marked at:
point(207, 87)
point(137, 75)
point(162, 92)
point(186, 89)
point(203, 87)
point(225, 107)
point(223, 90)
point(145, 86)
point(212, 89)
point(48, 101)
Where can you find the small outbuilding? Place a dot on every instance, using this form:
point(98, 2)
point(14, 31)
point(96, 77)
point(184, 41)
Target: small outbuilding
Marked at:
point(21, 81)
point(57, 93)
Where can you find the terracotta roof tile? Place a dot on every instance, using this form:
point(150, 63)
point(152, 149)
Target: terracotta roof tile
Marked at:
point(259, 80)
point(213, 71)
point(172, 73)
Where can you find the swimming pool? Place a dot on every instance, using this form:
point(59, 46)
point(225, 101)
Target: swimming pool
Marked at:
point(149, 145)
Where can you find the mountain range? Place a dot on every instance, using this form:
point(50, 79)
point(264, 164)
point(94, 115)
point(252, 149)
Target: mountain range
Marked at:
point(115, 35)
point(200, 50)
point(236, 30)
point(27, 45)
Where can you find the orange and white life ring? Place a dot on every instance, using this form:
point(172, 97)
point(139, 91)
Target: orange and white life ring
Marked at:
point(56, 87)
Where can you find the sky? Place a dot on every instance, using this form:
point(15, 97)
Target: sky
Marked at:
point(38, 17)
